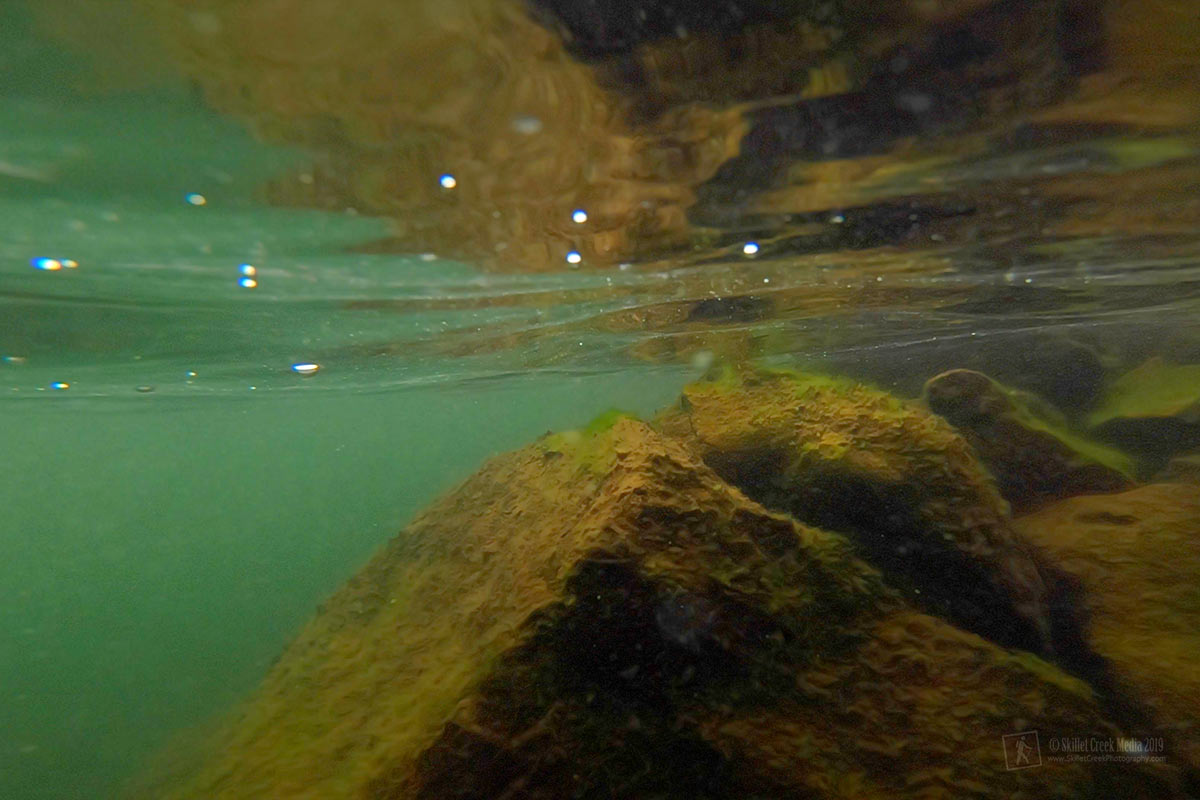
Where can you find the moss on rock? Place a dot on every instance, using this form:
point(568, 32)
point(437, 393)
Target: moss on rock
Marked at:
point(1154, 389)
point(1034, 457)
point(899, 480)
point(1137, 556)
point(1153, 411)
point(548, 630)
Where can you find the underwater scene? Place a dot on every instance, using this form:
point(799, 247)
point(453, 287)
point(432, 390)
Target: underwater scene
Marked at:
point(599, 399)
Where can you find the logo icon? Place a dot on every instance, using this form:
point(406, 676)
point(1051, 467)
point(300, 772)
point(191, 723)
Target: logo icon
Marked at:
point(1022, 750)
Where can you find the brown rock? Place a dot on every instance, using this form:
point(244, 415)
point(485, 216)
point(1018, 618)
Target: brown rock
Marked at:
point(1181, 469)
point(599, 615)
point(896, 479)
point(1137, 556)
point(1034, 458)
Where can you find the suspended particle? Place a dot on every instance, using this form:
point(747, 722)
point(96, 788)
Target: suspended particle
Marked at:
point(47, 264)
point(247, 283)
point(305, 369)
point(60, 385)
point(750, 248)
point(248, 269)
point(448, 181)
point(70, 263)
point(574, 257)
point(579, 216)
point(702, 360)
point(195, 199)
point(527, 125)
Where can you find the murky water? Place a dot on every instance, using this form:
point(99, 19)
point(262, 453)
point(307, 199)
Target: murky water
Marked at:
point(273, 277)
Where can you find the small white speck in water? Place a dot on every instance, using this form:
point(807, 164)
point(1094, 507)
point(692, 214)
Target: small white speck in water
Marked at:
point(527, 124)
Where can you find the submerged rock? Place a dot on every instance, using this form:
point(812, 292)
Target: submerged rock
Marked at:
point(600, 615)
point(1181, 469)
point(1153, 410)
point(898, 480)
point(1033, 457)
point(1137, 556)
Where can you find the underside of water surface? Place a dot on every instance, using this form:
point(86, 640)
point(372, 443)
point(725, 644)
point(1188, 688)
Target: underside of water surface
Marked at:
point(599, 399)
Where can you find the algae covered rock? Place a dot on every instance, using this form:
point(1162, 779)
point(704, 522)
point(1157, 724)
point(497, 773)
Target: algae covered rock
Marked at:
point(1137, 556)
point(1033, 457)
point(898, 480)
point(1153, 410)
point(1181, 469)
point(599, 615)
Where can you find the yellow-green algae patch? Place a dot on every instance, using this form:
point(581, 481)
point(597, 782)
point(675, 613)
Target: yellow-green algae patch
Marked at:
point(591, 445)
point(1154, 389)
point(647, 631)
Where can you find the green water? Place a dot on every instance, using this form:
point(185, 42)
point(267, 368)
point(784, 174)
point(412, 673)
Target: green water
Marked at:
point(159, 554)
point(161, 546)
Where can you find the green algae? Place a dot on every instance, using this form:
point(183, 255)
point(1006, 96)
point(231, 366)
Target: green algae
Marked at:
point(605, 420)
point(1036, 414)
point(591, 445)
point(1153, 389)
